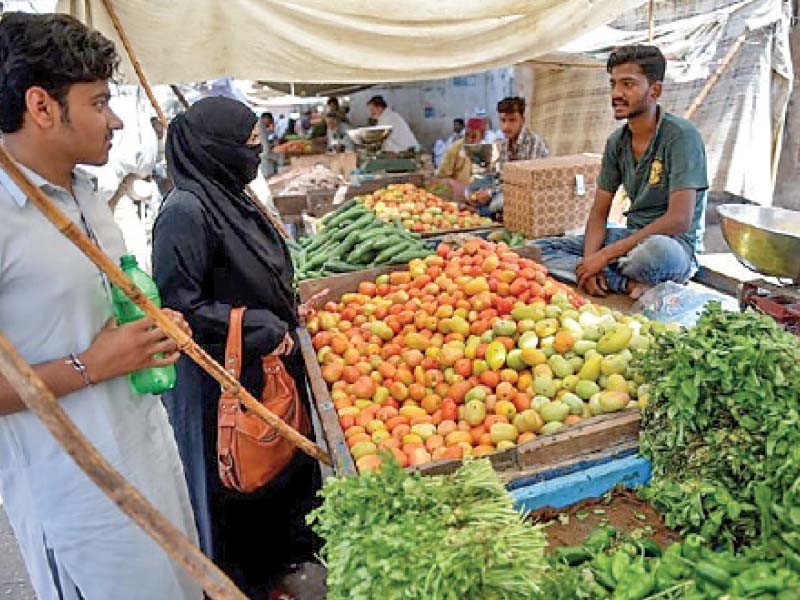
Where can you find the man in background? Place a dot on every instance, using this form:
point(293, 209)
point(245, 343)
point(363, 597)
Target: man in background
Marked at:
point(402, 138)
point(519, 144)
point(456, 165)
point(336, 131)
point(269, 161)
point(333, 106)
point(458, 132)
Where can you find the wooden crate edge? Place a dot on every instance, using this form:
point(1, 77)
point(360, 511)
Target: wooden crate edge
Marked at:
point(340, 454)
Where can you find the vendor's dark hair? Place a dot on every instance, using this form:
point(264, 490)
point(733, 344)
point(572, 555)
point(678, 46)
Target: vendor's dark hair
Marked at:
point(649, 58)
point(268, 115)
point(377, 101)
point(51, 51)
point(511, 104)
point(459, 120)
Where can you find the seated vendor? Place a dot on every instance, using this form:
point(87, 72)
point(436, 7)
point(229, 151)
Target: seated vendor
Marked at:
point(336, 130)
point(456, 164)
point(660, 161)
point(519, 144)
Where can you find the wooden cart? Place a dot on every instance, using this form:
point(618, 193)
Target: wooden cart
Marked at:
point(590, 442)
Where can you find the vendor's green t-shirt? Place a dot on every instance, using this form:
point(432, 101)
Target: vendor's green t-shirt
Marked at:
point(675, 160)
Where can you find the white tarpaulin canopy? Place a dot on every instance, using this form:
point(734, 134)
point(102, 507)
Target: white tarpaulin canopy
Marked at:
point(741, 121)
point(340, 41)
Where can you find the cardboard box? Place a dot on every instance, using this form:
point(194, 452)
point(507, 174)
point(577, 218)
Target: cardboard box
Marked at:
point(549, 196)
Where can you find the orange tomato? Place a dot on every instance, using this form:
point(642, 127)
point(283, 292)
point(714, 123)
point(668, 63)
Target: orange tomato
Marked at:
point(563, 342)
point(369, 462)
point(490, 379)
point(522, 401)
point(463, 366)
point(350, 374)
point(398, 390)
point(354, 430)
point(399, 431)
point(492, 419)
point(505, 391)
point(458, 390)
point(449, 410)
point(358, 437)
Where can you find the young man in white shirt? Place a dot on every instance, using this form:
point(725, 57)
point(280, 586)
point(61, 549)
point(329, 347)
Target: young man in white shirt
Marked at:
point(55, 307)
point(402, 138)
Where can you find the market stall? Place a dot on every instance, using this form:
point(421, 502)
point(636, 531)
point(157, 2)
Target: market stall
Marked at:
point(712, 515)
point(427, 355)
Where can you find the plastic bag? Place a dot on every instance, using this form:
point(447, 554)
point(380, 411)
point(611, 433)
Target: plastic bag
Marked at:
point(673, 303)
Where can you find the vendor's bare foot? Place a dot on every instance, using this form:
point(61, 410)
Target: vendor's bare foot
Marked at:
point(596, 286)
point(636, 289)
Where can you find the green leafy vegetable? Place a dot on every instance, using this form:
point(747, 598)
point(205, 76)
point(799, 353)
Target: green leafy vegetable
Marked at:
point(723, 425)
point(393, 534)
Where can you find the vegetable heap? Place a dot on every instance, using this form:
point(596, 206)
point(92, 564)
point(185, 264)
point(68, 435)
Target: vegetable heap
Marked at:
point(391, 534)
point(723, 428)
point(354, 239)
point(633, 567)
point(470, 351)
point(420, 211)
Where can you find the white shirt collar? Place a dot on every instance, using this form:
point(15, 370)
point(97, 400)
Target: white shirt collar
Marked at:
point(79, 177)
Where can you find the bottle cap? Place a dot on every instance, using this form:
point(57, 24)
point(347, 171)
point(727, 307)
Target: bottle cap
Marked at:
point(128, 261)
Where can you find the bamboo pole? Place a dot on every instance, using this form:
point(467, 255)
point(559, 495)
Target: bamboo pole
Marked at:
point(41, 401)
point(714, 79)
point(229, 383)
point(651, 19)
point(135, 62)
point(178, 94)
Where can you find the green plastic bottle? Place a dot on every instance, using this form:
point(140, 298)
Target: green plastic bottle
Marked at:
point(155, 380)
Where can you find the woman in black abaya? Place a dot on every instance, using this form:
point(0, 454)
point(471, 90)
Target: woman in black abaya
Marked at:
point(213, 249)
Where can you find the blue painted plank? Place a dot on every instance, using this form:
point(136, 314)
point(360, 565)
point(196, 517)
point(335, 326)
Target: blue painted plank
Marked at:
point(524, 482)
point(593, 482)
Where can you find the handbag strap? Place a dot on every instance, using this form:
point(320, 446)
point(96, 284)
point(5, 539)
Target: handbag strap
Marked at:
point(233, 347)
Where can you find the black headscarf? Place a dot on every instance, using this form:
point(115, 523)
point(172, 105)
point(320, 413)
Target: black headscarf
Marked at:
point(207, 154)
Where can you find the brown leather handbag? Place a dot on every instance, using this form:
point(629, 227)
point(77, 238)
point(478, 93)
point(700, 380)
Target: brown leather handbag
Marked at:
point(250, 453)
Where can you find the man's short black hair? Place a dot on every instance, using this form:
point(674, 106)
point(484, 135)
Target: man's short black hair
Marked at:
point(268, 115)
point(377, 101)
point(333, 100)
point(511, 104)
point(649, 58)
point(460, 121)
point(51, 51)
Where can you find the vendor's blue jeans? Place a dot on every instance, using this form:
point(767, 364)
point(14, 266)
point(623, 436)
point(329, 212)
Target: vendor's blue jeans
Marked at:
point(656, 259)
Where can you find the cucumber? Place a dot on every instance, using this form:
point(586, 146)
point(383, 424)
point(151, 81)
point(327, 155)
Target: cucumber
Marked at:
point(386, 254)
point(339, 266)
point(408, 255)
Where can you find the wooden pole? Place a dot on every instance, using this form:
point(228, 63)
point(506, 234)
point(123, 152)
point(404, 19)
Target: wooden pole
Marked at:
point(41, 401)
point(651, 18)
point(135, 62)
point(714, 79)
point(179, 95)
point(69, 229)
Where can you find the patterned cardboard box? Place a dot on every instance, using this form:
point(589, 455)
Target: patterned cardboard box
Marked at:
point(549, 196)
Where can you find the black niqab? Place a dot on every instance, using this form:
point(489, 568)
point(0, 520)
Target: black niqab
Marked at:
point(207, 154)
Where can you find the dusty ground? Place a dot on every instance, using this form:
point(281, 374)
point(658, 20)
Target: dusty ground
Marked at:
point(625, 512)
point(14, 584)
